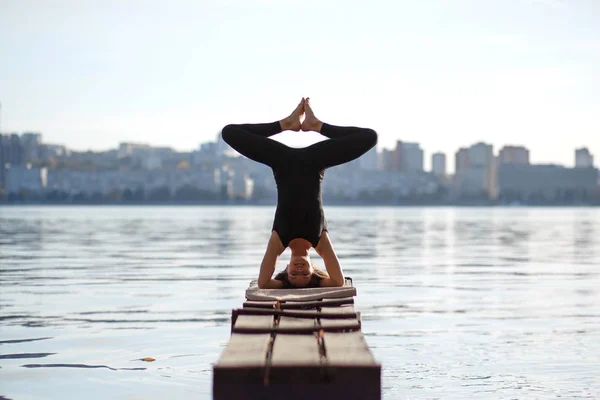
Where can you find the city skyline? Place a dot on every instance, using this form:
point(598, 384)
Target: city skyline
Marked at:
point(443, 75)
point(34, 171)
point(449, 163)
point(404, 156)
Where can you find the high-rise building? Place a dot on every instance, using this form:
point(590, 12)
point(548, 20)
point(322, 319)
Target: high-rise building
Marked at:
point(4, 149)
point(438, 164)
point(33, 138)
point(396, 157)
point(475, 172)
point(481, 154)
point(412, 157)
point(386, 161)
point(583, 158)
point(32, 142)
point(407, 157)
point(11, 154)
point(518, 155)
point(370, 160)
point(16, 155)
point(461, 160)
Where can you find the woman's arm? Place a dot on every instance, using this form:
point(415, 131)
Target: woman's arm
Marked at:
point(267, 267)
point(332, 264)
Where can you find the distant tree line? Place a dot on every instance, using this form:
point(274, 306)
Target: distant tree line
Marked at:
point(559, 196)
point(161, 194)
point(189, 194)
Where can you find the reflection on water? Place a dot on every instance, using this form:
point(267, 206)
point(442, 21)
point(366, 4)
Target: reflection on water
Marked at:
point(456, 303)
point(25, 355)
point(79, 366)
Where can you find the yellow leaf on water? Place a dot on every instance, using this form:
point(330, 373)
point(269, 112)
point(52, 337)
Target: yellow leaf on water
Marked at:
point(148, 359)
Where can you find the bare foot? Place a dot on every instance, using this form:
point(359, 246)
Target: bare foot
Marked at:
point(293, 123)
point(311, 123)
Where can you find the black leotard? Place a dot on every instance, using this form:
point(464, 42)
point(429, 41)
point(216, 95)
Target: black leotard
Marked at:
point(299, 172)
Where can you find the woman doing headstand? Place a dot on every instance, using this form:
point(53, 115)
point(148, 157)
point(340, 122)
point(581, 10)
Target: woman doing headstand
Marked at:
point(299, 218)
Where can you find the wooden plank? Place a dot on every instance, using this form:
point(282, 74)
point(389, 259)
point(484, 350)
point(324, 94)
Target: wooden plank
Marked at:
point(331, 312)
point(308, 312)
point(260, 304)
point(337, 302)
point(245, 350)
point(296, 325)
point(349, 348)
point(254, 322)
point(300, 304)
point(350, 325)
point(345, 339)
point(291, 322)
point(295, 350)
point(298, 383)
point(339, 323)
point(350, 356)
point(270, 311)
point(318, 303)
point(347, 309)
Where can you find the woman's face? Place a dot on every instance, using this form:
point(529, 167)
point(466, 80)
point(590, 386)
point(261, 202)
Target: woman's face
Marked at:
point(299, 271)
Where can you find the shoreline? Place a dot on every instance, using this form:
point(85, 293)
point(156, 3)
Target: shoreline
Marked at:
point(329, 204)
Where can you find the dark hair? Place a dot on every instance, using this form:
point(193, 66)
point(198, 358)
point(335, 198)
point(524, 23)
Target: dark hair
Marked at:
point(315, 279)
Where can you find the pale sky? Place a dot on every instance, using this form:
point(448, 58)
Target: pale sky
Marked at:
point(445, 73)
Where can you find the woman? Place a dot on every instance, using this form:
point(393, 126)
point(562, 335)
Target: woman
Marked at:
point(299, 219)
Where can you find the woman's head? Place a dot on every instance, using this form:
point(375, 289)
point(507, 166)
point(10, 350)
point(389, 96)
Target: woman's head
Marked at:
point(299, 271)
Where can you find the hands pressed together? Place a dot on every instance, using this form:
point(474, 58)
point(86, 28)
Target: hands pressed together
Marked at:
point(295, 122)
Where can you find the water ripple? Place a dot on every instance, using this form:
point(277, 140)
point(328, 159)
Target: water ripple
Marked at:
point(455, 303)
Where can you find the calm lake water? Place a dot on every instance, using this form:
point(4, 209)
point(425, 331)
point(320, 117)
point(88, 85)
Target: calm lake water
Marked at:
point(481, 303)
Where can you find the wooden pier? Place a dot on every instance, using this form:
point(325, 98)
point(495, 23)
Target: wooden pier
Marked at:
point(297, 344)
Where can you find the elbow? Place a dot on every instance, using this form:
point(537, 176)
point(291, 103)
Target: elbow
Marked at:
point(266, 284)
point(338, 282)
